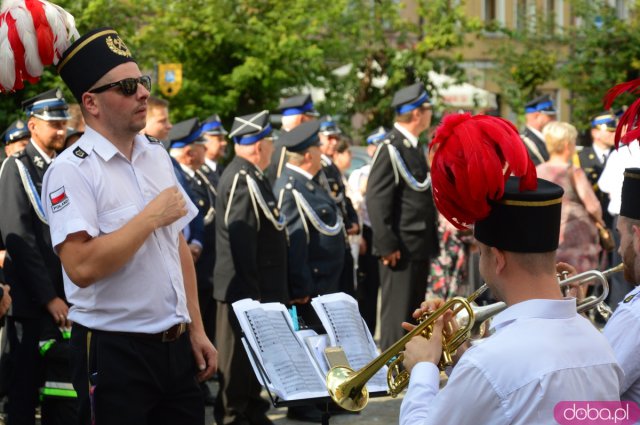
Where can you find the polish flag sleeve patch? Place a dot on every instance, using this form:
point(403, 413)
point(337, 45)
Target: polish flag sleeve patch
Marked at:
point(58, 199)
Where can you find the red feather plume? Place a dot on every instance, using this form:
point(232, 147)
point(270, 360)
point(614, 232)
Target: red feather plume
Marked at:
point(43, 31)
point(474, 157)
point(627, 130)
point(35, 34)
point(18, 52)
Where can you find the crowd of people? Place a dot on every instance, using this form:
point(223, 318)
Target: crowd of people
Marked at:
point(126, 240)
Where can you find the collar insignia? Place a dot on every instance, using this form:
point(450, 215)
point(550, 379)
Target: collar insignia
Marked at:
point(79, 153)
point(39, 162)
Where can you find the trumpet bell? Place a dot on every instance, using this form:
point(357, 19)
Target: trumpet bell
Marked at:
point(352, 402)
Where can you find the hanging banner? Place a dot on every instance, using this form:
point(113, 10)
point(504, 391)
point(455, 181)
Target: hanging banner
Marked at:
point(170, 78)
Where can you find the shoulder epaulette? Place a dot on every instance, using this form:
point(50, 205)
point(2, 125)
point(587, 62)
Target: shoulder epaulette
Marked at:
point(80, 153)
point(153, 140)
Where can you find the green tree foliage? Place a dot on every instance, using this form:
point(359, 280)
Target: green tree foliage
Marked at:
point(605, 50)
point(526, 59)
point(239, 56)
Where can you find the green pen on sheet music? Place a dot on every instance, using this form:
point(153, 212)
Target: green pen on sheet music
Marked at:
point(293, 311)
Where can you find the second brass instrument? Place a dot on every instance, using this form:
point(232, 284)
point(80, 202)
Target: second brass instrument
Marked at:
point(348, 387)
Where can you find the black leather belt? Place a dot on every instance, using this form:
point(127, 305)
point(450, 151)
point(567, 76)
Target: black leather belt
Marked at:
point(170, 335)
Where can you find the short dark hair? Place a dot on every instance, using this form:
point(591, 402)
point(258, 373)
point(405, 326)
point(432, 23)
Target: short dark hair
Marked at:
point(342, 145)
point(156, 102)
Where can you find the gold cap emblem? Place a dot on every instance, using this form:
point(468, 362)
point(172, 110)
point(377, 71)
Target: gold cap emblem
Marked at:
point(117, 46)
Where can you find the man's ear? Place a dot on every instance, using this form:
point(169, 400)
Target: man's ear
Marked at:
point(90, 103)
point(31, 124)
point(635, 233)
point(500, 260)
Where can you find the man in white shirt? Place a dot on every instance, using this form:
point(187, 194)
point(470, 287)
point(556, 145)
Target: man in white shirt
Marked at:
point(542, 352)
point(622, 328)
point(610, 182)
point(158, 124)
point(116, 213)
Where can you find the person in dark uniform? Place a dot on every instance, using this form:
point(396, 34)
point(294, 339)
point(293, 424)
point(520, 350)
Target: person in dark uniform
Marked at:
point(32, 269)
point(314, 223)
point(251, 246)
point(316, 232)
point(216, 147)
point(592, 159)
point(15, 137)
point(537, 113)
point(295, 110)
point(402, 213)
point(186, 146)
point(331, 179)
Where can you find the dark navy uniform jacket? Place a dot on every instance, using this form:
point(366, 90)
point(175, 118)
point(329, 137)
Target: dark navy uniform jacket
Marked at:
point(204, 196)
point(539, 143)
point(32, 269)
point(251, 253)
point(338, 192)
point(401, 218)
point(315, 259)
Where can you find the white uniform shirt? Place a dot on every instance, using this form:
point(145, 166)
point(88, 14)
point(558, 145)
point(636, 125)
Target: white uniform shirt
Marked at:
point(93, 188)
point(211, 164)
point(358, 180)
point(622, 331)
point(613, 174)
point(410, 137)
point(541, 353)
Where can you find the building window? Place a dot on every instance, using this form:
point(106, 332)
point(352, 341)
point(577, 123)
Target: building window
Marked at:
point(493, 11)
point(490, 10)
point(554, 15)
point(622, 11)
point(525, 15)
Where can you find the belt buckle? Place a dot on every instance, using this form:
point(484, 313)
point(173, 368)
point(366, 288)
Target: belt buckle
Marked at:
point(174, 332)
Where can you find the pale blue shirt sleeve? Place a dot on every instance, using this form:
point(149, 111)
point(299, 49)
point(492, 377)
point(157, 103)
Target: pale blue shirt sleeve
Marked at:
point(468, 398)
point(68, 202)
point(622, 332)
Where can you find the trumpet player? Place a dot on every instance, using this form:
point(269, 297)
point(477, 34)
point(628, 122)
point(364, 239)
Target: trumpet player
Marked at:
point(541, 352)
point(622, 329)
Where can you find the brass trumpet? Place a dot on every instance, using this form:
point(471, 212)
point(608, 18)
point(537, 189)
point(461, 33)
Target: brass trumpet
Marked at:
point(348, 387)
point(483, 314)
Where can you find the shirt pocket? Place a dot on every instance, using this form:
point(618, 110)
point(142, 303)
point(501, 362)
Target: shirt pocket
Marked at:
point(112, 220)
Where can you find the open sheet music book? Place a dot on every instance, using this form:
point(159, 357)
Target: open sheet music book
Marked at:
point(293, 362)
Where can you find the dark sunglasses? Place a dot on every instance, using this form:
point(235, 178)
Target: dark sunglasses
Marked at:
point(128, 86)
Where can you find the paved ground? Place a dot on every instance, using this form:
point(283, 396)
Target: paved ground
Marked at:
point(380, 410)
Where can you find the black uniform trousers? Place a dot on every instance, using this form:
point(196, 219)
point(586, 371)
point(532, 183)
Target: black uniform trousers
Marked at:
point(368, 282)
point(238, 398)
point(126, 379)
point(25, 375)
point(403, 289)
